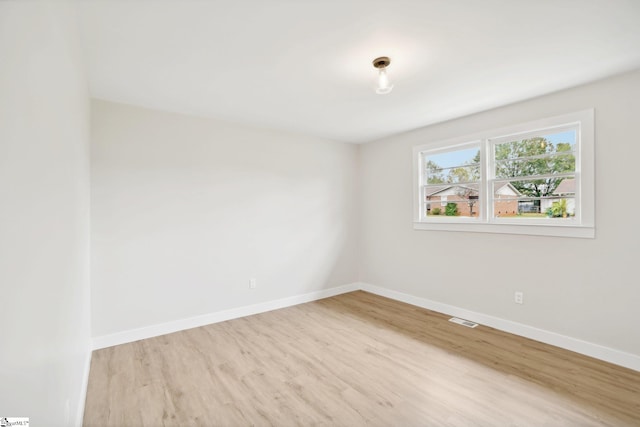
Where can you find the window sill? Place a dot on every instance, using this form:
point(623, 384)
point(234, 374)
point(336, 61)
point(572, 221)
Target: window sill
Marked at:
point(584, 232)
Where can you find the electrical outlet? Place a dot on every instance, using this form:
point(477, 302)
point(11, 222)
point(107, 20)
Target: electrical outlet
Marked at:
point(518, 297)
point(252, 283)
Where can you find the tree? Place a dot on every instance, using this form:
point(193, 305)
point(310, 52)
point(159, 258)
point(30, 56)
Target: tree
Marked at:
point(533, 157)
point(434, 173)
point(459, 175)
point(470, 195)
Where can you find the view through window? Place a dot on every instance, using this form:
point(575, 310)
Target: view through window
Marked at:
point(535, 174)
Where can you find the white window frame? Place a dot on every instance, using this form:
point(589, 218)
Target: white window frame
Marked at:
point(582, 225)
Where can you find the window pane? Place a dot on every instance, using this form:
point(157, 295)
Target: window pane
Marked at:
point(454, 166)
point(535, 198)
point(547, 154)
point(451, 201)
point(547, 144)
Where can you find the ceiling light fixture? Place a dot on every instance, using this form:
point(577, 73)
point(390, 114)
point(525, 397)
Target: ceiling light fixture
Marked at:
point(384, 86)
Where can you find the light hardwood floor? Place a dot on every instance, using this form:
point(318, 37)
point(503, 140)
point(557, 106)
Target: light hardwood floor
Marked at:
point(354, 359)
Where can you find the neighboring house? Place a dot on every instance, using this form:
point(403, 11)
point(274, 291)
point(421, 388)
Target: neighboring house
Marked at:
point(466, 196)
point(567, 190)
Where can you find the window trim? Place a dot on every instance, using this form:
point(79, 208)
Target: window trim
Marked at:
point(583, 227)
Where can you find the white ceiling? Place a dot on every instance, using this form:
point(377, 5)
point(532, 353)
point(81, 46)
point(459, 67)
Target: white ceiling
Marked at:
point(305, 66)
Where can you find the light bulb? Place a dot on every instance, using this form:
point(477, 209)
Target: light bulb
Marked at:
point(384, 86)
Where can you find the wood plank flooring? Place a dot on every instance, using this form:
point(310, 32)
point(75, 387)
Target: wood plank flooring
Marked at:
point(351, 360)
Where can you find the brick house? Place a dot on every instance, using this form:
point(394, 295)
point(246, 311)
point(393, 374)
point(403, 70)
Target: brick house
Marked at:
point(466, 197)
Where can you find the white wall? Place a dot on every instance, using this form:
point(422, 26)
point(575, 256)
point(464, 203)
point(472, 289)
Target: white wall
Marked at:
point(44, 214)
point(186, 210)
point(582, 288)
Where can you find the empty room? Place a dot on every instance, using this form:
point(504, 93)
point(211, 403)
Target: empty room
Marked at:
point(319, 213)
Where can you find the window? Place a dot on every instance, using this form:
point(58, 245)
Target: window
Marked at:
point(532, 178)
point(452, 178)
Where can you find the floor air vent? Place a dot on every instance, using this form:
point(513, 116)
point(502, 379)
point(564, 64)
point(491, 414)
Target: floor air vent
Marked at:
point(463, 322)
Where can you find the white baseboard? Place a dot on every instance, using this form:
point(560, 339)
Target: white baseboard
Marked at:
point(83, 390)
point(220, 316)
point(597, 351)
